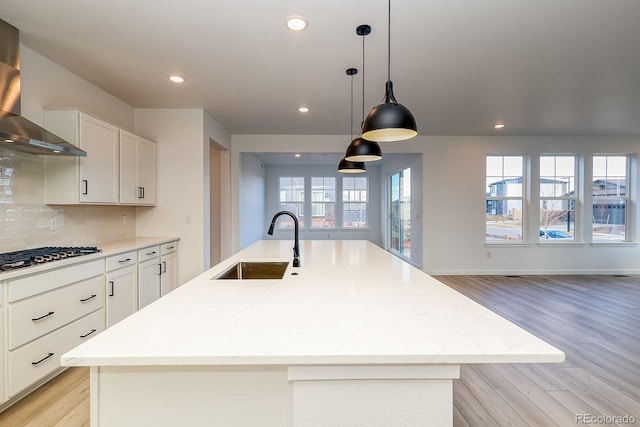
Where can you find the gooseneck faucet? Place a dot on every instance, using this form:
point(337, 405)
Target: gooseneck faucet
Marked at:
point(296, 245)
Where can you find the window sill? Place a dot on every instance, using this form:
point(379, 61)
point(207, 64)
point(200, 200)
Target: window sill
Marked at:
point(631, 244)
point(563, 244)
point(508, 244)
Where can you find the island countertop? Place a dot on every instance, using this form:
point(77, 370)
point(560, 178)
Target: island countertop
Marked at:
point(350, 302)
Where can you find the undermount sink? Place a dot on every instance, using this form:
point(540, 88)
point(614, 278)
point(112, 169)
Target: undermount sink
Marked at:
point(248, 270)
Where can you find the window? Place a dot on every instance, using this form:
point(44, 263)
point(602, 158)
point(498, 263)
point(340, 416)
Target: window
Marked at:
point(323, 202)
point(557, 197)
point(354, 202)
point(504, 197)
point(610, 198)
point(291, 190)
point(400, 213)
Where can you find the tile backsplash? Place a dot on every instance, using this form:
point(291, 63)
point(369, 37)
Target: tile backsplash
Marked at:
point(26, 222)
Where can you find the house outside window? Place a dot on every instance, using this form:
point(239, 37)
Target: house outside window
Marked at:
point(354, 202)
point(610, 198)
point(504, 197)
point(291, 198)
point(323, 202)
point(557, 197)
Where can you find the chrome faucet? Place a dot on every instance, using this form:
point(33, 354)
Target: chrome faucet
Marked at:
point(296, 245)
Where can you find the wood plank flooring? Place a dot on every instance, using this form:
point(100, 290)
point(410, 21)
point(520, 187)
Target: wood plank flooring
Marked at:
point(595, 320)
point(62, 402)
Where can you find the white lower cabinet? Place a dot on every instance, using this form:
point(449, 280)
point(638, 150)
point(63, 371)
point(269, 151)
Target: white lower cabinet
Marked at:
point(122, 294)
point(39, 358)
point(48, 314)
point(157, 272)
point(2, 373)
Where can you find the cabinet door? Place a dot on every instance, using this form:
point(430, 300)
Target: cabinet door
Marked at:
point(147, 171)
point(148, 282)
point(169, 278)
point(99, 172)
point(2, 373)
point(122, 294)
point(128, 168)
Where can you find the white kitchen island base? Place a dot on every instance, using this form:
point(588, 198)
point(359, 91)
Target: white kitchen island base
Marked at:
point(298, 396)
point(355, 336)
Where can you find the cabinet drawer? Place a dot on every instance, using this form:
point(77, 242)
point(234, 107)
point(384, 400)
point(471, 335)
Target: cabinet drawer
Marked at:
point(167, 248)
point(122, 260)
point(25, 287)
point(34, 317)
point(41, 357)
point(148, 253)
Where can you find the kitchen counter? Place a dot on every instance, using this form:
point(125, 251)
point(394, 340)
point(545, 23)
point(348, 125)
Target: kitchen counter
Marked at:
point(107, 249)
point(353, 321)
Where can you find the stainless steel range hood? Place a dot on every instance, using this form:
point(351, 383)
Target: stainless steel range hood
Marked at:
point(16, 132)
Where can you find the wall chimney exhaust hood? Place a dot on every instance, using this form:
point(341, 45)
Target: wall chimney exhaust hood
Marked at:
point(16, 132)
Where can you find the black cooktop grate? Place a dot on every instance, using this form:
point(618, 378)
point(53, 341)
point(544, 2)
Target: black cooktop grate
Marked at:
point(29, 257)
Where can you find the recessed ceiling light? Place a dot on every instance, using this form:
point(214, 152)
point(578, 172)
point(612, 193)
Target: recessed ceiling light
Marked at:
point(296, 23)
point(8, 140)
point(498, 125)
point(56, 151)
point(303, 109)
point(176, 79)
point(297, 154)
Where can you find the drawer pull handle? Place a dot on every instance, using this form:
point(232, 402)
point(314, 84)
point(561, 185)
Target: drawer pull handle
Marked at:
point(42, 360)
point(88, 298)
point(88, 333)
point(164, 266)
point(125, 260)
point(159, 269)
point(85, 183)
point(112, 292)
point(42, 317)
point(151, 253)
point(170, 247)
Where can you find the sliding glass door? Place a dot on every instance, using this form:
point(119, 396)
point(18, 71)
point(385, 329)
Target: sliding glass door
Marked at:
point(400, 213)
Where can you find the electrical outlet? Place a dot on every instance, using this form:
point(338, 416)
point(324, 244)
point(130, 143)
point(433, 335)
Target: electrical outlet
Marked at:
point(52, 224)
point(124, 219)
point(488, 254)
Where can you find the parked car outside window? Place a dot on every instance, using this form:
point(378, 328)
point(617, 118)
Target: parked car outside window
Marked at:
point(555, 234)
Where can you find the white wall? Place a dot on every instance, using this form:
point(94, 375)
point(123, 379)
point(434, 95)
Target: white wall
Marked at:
point(453, 202)
point(46, 84)
point(251, 199)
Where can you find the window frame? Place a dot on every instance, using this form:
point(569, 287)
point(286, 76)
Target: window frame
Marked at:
point(522, 198)
point(626, 198)
point(300, 213)
point(571, 196)
point(323, 203)
point(351, 202)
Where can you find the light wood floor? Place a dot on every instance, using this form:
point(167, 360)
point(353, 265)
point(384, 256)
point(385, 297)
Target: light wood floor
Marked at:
point(595, 320)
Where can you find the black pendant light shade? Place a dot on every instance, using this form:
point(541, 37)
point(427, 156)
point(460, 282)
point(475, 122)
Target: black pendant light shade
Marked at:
point(346, 166)
point(389, 121)
point(361, 150)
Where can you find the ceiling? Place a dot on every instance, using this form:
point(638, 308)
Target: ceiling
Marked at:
point(542, 67)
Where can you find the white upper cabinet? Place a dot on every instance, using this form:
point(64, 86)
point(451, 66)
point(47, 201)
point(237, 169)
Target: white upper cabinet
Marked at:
point(137, 170)
point(91, 179)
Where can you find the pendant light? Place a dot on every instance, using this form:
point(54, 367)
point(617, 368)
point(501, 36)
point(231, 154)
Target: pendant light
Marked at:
point(345, 165)
point(389, 121)
point(361, 150)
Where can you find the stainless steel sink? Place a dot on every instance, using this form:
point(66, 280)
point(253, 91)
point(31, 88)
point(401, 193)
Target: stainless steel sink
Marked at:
point(248, 270)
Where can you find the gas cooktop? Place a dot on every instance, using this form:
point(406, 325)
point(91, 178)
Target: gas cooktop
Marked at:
point(30, 257)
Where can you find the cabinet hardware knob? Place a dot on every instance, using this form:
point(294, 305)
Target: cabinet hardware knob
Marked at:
point(113, 289)
point(151, 253)
point(42, 360)
point(88, 298)
point(42, 317)
point(88, 333)
point(124, 260)
point(86, 186)
point(164, 266)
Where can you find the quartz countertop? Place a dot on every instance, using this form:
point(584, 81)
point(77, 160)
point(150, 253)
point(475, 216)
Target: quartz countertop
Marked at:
point(350, 302)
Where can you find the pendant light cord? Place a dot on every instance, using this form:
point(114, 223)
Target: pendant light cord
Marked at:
point(389, 45)
point(363, 74)
point(351, 124)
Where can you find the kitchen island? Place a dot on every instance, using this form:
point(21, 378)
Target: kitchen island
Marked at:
point(355, 336)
